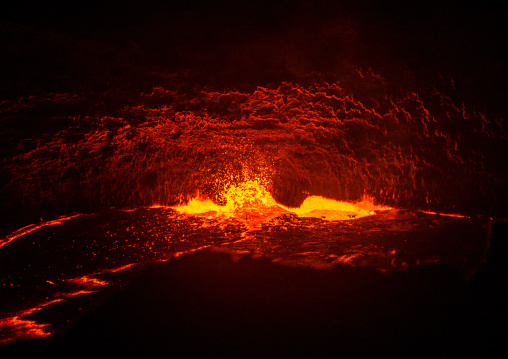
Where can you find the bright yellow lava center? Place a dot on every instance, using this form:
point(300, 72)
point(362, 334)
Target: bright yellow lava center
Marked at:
point(250, 196)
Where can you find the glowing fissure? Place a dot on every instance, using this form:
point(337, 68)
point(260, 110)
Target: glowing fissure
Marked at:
point(252, 197)
point(33, 227)
point(16, 326)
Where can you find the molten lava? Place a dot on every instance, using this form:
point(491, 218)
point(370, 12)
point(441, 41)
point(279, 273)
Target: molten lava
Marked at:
point(252, 198)
point(330, 209)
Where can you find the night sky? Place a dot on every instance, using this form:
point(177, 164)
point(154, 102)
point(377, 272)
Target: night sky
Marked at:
point(63, 45)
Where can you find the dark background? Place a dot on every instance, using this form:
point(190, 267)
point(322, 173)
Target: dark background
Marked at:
point(62, 45)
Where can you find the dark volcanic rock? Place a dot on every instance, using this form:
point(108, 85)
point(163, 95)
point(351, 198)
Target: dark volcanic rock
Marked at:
point(207, 303)
point(210, 303)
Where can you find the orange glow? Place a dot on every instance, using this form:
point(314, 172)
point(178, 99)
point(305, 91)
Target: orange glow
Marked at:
point(247, 196)
point(333, 210)
point(304, 138)
point(16, 327)
point(33, 227)
point(119, 269)
point(88, 281)
point(445, 214)
point(253, 198)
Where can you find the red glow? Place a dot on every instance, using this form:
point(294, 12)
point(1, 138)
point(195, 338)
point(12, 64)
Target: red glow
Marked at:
point(446, 214)
point(16, 327)
point(297, 141)
point(33, 227)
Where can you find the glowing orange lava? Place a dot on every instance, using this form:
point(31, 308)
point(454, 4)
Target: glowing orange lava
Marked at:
point(457, 215)
point(17, 327)
point(33, 227)
point(333, 210)
point(253, 198)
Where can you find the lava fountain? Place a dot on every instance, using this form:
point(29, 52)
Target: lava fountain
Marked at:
point(251, 200)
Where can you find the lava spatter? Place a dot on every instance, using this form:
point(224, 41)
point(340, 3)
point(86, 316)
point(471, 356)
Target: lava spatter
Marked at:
point(251, 201)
